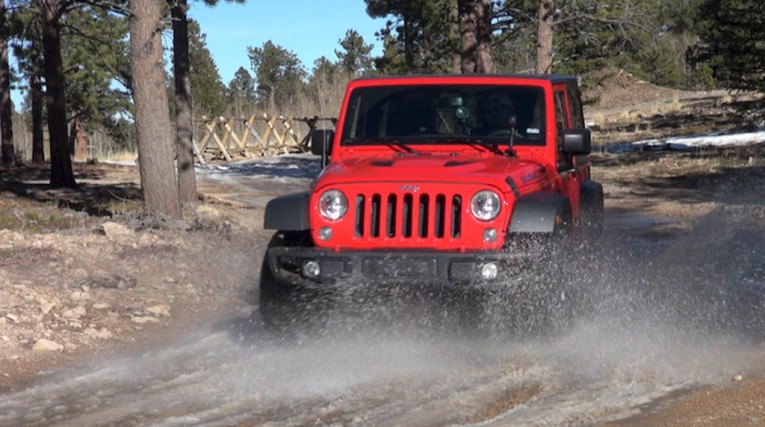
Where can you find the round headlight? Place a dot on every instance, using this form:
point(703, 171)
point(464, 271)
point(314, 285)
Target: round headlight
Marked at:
point(485, 205)
point(333, 205)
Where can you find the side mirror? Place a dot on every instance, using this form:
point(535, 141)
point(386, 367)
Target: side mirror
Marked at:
point(577, 141)
point(321, 141)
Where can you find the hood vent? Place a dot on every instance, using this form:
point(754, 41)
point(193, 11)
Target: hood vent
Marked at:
point(453, 163)
point(382, 163)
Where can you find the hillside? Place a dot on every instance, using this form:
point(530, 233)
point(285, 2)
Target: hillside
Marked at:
point(621, 107)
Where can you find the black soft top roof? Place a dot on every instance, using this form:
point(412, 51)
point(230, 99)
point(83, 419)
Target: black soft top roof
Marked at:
point(553, 78)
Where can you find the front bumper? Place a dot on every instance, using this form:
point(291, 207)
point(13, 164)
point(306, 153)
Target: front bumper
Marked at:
point(428, 267)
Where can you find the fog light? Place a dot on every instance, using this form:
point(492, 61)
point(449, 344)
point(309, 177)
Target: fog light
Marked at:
point(490, 235)
point(311, 269)
point(489, 271)
point(325, 233)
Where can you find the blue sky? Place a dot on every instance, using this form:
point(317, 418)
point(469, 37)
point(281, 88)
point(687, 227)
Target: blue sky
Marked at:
point(309, 28)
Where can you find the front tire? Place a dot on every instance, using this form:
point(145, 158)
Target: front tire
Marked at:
point(591, 213)
point(546, 302)
point(286, 308)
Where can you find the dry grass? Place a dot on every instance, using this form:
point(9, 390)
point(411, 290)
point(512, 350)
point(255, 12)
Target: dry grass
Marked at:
point(122, 155)
point(27, 203)
point(33, 216)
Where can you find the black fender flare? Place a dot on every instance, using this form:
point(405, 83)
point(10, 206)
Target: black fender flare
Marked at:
point(539, 213)
point(288, 212)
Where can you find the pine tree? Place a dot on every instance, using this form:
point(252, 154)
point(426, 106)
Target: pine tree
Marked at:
point(152, 119)
point(733, 42)
point(279, 74)
point(354, 58)
point(475, 31)
point(6, 111)
point(325, 87)
point(184, 91)
point(241, 92)
point(62, 173)
point(418, 37)
point(95, 53)
point(207, 88)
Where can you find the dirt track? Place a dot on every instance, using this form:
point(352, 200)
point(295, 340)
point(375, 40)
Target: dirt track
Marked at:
point(670, 322)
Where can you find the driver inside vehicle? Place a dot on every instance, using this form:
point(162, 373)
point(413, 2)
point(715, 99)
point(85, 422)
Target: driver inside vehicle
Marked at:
point(496, 114)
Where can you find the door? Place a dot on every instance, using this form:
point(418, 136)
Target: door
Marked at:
point(569, 172)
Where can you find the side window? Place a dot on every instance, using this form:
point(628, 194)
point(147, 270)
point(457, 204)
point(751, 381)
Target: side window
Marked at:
point(574, 98)
point(560, 116)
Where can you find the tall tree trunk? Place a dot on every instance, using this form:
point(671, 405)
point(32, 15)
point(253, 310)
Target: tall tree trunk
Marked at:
point(468, 39)
point(475, 36)
point(483, 54)
point(6, 109)
point(62, 174)
point(408, 43)
point(78, 140)
point(38, 147)
point(545, 37)
point(152, 116)
point(184, 126)
point(454, 33)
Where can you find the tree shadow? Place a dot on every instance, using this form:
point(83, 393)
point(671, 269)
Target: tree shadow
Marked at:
point(100, 191)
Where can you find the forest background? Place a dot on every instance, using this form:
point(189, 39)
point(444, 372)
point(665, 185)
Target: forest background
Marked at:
point(95, 67)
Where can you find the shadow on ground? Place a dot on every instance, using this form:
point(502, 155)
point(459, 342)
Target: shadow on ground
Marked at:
point(102, 190)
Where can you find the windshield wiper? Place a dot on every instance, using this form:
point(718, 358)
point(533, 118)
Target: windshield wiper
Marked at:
point(389, 142)
point(399, 144)
point(477, 140)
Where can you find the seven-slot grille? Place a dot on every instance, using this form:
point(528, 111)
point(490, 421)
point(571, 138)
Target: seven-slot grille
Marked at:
point(408, 215)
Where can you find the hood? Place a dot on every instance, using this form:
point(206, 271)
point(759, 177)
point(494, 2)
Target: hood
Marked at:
point(485, 168)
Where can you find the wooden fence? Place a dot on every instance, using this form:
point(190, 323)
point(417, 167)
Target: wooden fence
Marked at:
point(232, 138)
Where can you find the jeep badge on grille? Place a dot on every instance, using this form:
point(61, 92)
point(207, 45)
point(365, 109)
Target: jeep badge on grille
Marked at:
point(412, 188)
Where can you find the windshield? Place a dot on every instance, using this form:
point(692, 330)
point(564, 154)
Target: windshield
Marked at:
point(445, 114)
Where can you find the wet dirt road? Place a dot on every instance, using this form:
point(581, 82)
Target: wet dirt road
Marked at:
point(673, 313)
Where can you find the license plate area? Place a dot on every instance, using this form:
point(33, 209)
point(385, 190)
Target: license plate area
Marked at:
point(399, 268)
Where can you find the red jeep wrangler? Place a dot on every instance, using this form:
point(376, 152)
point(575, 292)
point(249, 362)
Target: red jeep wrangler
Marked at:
point(441, 180)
